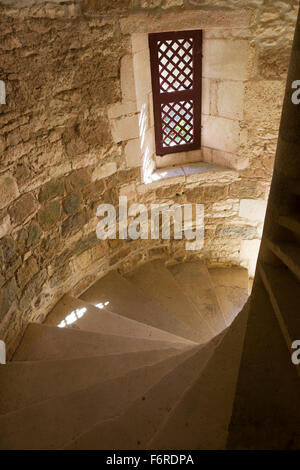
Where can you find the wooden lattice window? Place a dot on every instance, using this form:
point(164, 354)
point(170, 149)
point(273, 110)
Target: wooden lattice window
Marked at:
point(176, 71)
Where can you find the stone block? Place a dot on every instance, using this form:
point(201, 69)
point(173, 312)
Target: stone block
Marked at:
point(264, 100)
point(125, 128)
point(71, 203)
point(75, 222)
point(127, 79)
point(205, 96)
point(78, 179)
point(133, 153)
point(50, 214)
point(230, 99)
point(104, 170)
point(8, 189)
point(253, 209)
point(33, 232)
point(220, 133)
point(142, 76)
point(193, 19)
point(172, 3)
point(25, 206)
point(5, 226)
point(129, 191)
point(249, 253)
point(121, 109)
point(52, 189)
point(139, 42)
point(7, 250)
point(27, 271)
point(235, 231)
point(8, 295)
point(225, 59)
point(244, 189)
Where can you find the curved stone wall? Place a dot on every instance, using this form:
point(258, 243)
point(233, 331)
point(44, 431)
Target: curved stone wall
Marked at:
point(61, 64)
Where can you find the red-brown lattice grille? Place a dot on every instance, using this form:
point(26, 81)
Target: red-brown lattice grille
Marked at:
point(176, 71)
point(177, 123)
point(175, 65)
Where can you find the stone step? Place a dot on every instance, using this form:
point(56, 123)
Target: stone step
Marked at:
point(291, 222)
point(231, 286)
point(156, 281)
point(26, 383)
point(126, 299)
point(288, 253)
point(41, 342)
point(195, 281)
point(134, 428)
point(201, 419)
point(284, 293)
point(78, 313)
point(53, 423)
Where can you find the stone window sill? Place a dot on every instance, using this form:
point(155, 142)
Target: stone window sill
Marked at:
point(188, 173)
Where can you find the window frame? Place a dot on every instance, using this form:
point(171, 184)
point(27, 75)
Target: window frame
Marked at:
point(194, 94)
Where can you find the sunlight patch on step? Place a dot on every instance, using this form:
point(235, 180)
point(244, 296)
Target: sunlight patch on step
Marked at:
point(102, 305)
point(72, 317)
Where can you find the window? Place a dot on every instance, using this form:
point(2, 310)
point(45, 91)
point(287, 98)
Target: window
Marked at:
point(176, 71)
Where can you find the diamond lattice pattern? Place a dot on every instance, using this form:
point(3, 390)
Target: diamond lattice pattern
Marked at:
point(175, 65)
point(177, 123)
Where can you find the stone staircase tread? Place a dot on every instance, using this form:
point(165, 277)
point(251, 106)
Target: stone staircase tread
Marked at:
point(26, 383)
point(209, 401)
point(195, 281)
point(70, 415)
point(135, 426)
point(156, 281)
point(88, 317)
point(42, 342)
point(126, 299)
point(231, 287)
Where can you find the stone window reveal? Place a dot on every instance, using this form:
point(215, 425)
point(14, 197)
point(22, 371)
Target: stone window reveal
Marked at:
point(176, 71)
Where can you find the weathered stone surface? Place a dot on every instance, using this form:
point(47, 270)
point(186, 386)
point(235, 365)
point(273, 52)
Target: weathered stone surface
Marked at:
point(8, 294)
point(8, 248)
point(50, 214)
point(5, 225)
point(227, 130)
point(32, 290)
point(243, 189)
point(71, 203)
point(253, 209)
point(27, 271)
point(235, 231)
point(78, 179)
point(8, 189)
point(33, 232)
point(225, 59)
point(102, 6)
point(25, 206)
point(102, 171)
point(125, 128)
point(74, 223)
point(68, 80)
point(51, 190)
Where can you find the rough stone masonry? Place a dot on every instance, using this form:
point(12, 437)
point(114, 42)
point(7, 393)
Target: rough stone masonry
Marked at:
point(62, 154)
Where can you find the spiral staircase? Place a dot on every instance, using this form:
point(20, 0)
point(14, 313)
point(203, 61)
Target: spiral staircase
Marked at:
point(167, 357)
point(115, 367)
